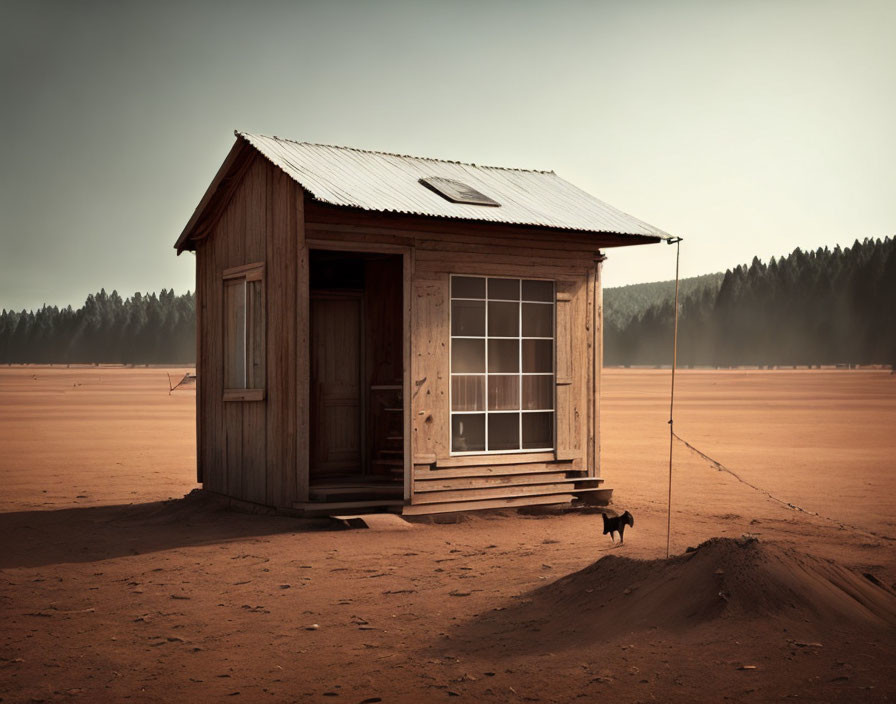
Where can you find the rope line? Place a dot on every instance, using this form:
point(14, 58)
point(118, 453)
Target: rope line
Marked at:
point(722, 468)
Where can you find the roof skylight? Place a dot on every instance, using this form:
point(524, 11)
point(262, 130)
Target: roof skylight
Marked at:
point(457, 191)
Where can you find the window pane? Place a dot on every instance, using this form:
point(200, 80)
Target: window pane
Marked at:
point(538, 430)
point(504, 431)
point(468, 393)
point(506, 289)
point(538, 393)
point(538, 320)
point(537, 355)
point(503, 393)
point(538, 291)
point(467, 287)
point(503, 319)
point(503, 355)
point(467, 356)
point(255, 331)
point(468, 318)
point(468, 432)
point(235, 334)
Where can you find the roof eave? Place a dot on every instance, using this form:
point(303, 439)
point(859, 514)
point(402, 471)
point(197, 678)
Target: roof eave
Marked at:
point(607, 238)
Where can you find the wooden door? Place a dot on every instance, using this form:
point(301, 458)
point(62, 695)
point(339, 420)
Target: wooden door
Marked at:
point(336, 384)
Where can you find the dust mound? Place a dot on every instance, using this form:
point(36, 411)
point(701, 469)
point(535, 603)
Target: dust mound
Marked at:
point(723, 578)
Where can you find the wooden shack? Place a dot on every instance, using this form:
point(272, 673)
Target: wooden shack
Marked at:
point(384, 331)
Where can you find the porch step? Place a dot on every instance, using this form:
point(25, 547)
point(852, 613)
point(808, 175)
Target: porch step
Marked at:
point(491, 471)
point(458, 483)
point(538, 488)
point(509, 500)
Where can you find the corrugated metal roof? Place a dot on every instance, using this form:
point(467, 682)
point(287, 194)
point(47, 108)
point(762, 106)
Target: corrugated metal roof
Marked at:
point(389, 183)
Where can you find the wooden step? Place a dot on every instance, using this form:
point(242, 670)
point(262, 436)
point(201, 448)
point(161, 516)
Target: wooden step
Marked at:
point(442, 484)
point(508, 502)
point(496, 492)
point(595, 496)
point(537, 488)
point(505, 480)
point(490, 471)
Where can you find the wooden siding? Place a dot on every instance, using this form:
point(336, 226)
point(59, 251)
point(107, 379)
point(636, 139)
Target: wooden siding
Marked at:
point(249, 449)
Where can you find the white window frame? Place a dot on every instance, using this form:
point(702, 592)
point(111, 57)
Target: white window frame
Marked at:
point(519, 373)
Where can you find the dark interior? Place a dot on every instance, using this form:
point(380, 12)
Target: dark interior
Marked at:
point(373, 282)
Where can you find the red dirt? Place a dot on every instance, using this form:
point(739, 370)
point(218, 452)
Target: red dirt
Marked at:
point(110, 593)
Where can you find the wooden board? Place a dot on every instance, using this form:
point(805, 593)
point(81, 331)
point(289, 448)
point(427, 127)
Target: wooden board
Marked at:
point(446, 484)
point(491, 471)
point(509, 502)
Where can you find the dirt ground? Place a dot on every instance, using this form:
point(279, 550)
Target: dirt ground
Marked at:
point(111, 592)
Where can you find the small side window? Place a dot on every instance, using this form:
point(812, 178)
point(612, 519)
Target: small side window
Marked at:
point(244, 333)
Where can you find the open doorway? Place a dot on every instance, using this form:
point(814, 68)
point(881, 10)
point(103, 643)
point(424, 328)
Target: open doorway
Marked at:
point(356, 350)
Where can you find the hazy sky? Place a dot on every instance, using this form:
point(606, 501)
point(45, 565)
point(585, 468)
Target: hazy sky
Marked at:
point(746, 127)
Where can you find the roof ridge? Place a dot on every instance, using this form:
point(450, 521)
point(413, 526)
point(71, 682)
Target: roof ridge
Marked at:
point(246, 135)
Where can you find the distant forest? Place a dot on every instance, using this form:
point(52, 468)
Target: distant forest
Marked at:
point(808, 308)
point(823, 307)
point(142, 329)
point(624, 303)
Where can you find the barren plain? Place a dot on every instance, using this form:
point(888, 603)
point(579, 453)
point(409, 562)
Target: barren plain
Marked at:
point(113, 587)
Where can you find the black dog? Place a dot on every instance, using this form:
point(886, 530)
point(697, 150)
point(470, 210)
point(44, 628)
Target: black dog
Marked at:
point(617, 524)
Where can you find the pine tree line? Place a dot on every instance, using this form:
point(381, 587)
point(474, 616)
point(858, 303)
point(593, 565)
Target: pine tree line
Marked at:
point(143, 329)
point(823, 307)
point(808, 308)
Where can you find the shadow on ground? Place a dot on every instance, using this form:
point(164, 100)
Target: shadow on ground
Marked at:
point(90, 534)
point(723, 583)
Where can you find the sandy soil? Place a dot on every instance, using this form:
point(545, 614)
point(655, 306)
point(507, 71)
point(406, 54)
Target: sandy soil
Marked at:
point(108, 592)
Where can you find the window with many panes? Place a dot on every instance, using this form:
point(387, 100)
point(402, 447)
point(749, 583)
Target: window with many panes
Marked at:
point(502, 365)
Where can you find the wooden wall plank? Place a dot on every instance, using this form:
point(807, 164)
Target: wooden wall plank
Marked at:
point(527, 262)
point(426, 473)
point(230, 247)
point(571, 370)
point(590, 318)
point(598, 363)
point(203, 471)
point(277, 272)
point(429, 368)
point(214, 377)
point(301, 408)
point(254, 440)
